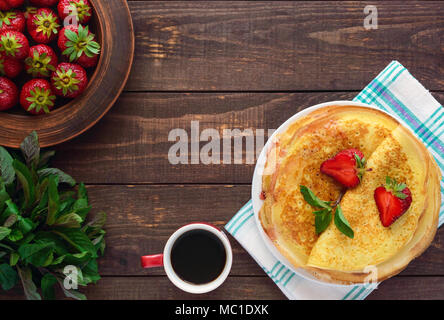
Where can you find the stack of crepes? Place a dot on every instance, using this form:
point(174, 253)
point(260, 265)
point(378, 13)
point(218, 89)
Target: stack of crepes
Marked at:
point(390, 149)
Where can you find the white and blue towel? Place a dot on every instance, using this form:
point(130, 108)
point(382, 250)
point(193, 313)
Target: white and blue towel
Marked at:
point(397, 92)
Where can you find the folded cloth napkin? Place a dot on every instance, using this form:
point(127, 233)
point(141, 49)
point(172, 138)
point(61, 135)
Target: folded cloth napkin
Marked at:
point(397, 92)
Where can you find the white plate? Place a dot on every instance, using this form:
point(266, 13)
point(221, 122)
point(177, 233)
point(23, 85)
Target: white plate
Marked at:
point(256, 187)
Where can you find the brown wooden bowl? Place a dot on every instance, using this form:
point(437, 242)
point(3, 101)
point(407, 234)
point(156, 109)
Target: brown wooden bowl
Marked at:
point(114, 31)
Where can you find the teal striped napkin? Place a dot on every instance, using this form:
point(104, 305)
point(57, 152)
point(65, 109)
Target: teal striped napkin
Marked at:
point(397, 92)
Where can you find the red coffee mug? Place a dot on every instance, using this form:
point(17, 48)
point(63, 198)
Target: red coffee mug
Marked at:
point(164, 259)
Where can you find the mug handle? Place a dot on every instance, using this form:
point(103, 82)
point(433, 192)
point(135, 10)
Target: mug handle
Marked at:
point(152, 261)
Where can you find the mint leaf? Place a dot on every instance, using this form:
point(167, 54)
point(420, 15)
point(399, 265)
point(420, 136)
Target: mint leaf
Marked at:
point(7, 172)
point(91, 272)
point(31, 149)
point(71, 293)
point(322, 220)
point(70, 220)
point(25, 178)
point(8, 277)
point(77, 239)
point(48, 282)
point(13, 258)
point(4, 232)
point(15, 235)
point(28, 285)
point(342, 223)
point(82, 193)
point(4, 196)
point(312, 200)
point(53, 200)
point(63, 177)
point(98, 221)
point(25, 225)
point(37, 254)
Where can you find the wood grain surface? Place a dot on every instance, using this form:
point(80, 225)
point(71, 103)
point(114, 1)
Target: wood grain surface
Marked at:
point(244, 65)
point(274, 45)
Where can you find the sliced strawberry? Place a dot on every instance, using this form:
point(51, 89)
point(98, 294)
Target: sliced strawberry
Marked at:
point(393, 200)
point(346, 167)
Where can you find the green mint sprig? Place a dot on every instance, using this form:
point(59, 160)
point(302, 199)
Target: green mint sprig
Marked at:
point(324, 214)
point(45, 225)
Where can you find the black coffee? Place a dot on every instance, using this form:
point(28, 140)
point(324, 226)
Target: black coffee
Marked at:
point(198, 256)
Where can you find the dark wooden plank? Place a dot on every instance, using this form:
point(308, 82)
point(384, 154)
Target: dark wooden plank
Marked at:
point(130, 145)
point(141, 218)
point(240, 288)
point(244, 288)
point(410, 288)
point(235, 45)
point(160, 288)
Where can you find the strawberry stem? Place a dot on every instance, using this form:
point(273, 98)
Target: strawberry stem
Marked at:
point(338, 201)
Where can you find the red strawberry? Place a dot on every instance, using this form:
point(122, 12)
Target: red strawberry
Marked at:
point(44, 25)
point(8, 94)
point(41, 62)
point(69, 80)
point(81, 10)
point(37, 96)
point(12, 20)
point(347, 167)
point(10, 4)
point(14, 44)
point(10, 67)
point(393, 200)
point(44, 3)
point(29, 12)
point(79, 45)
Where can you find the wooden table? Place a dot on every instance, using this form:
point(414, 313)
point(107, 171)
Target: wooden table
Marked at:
point(235, 64)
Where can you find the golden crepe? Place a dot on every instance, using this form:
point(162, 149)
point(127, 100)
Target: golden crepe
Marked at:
point(391, 150)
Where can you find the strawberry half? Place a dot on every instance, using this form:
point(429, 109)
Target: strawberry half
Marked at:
point(69, 80)
point(346, 167)
point(10, 4)
point(41, 62)
point(14, 44)
point(79, 45)
point(8, 94)
point(43, 26)
point(12, 20)
point(10, 67)
point(37, 97)
point(393, 200)
point(79, 9)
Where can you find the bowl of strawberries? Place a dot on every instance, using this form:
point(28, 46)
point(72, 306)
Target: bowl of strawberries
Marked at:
point(62, 65)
